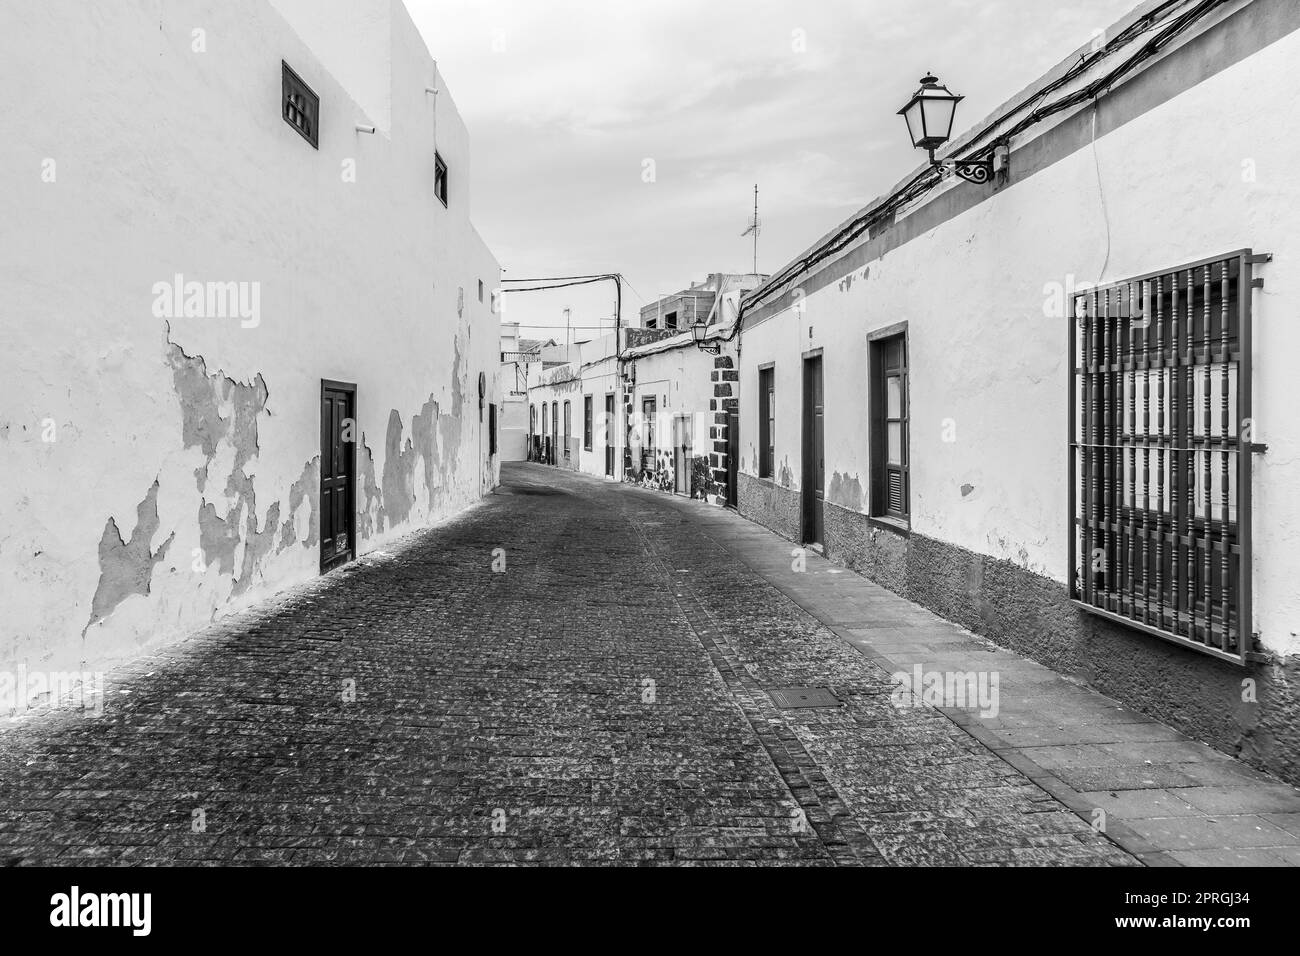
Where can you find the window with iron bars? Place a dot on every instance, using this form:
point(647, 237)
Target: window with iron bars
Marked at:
point(1160, 454)
point(301, 105)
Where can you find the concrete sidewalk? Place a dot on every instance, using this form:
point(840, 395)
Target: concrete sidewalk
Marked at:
point(1165, 798)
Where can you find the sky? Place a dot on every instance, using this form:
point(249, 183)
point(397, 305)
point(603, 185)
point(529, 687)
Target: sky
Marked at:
point(620, 136)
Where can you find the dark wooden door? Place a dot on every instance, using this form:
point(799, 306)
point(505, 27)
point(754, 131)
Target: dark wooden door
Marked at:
point(649, 454)
point(337, 474)
point(609, 436)
point(733, 458)
point(814, 453)
point(555, 433)
point(683, 455)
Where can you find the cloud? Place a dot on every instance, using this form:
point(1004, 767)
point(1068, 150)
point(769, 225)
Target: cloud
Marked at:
point(566, 99)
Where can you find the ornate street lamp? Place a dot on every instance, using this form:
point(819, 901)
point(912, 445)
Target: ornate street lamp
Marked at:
point(929, 115)
point(700, 331)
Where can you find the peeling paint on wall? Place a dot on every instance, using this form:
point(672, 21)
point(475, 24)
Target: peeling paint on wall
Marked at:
point(305, 489)
point(435, 440)
point(218, 538)
point(425, 434)
point(845, 492)
point(219, 417)
point(257, 546)
point(399, 464)
point(126, 568)
point(459, 372)
point(846, 284)
point(202, 398)
point(370, 519)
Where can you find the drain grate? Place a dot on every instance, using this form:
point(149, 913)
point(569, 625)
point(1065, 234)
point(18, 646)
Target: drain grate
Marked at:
point(793, 698)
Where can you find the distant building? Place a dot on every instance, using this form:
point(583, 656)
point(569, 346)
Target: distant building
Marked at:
point(680, 311)
point(649, 406)
point(516, 355)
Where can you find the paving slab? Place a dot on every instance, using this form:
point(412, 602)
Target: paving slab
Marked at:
point(1276, 803)
point(1219, 832)
point(1140, 804)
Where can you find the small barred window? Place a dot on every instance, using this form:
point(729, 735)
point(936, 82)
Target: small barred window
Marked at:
point(301, 106)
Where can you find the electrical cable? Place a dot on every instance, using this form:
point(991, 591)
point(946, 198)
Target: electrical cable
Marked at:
point(607, 275)
point(565, 282)
point(561, 285)
point(1101, 192)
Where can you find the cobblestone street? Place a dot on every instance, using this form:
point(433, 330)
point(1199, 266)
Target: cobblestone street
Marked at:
point(605, 699)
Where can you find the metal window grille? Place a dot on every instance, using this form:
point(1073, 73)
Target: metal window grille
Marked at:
point(1160, 454)
point(301, 105)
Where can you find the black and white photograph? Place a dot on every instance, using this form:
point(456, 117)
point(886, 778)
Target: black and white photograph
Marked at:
point(540, 434)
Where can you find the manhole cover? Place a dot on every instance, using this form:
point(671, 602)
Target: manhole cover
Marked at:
point(791, 698)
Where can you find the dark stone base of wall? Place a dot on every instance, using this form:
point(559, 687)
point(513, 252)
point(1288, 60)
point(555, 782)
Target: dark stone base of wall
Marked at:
point(1032, 615)
point(771, 505)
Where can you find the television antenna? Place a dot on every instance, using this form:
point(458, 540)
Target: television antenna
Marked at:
point(755, 229)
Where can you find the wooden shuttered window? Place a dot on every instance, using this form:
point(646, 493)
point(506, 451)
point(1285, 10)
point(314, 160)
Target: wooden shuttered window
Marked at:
point(890, 475)
point(568, 429)
point(766, 422)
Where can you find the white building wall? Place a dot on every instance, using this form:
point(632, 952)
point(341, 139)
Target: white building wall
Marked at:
point(182, 478)
point(987, 359)
point(599, 380)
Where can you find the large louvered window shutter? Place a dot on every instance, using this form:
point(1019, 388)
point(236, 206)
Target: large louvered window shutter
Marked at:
point(889, 417)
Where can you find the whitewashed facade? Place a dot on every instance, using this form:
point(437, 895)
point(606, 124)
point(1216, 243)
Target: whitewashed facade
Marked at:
point(184, 270)
point(1184, 158)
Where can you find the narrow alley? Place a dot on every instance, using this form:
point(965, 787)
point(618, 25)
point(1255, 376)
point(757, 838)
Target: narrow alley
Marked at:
point(573, 671)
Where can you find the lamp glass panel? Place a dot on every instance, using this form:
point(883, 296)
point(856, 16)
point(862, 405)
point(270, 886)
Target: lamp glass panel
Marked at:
point(914, 127)
point(938, 117)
